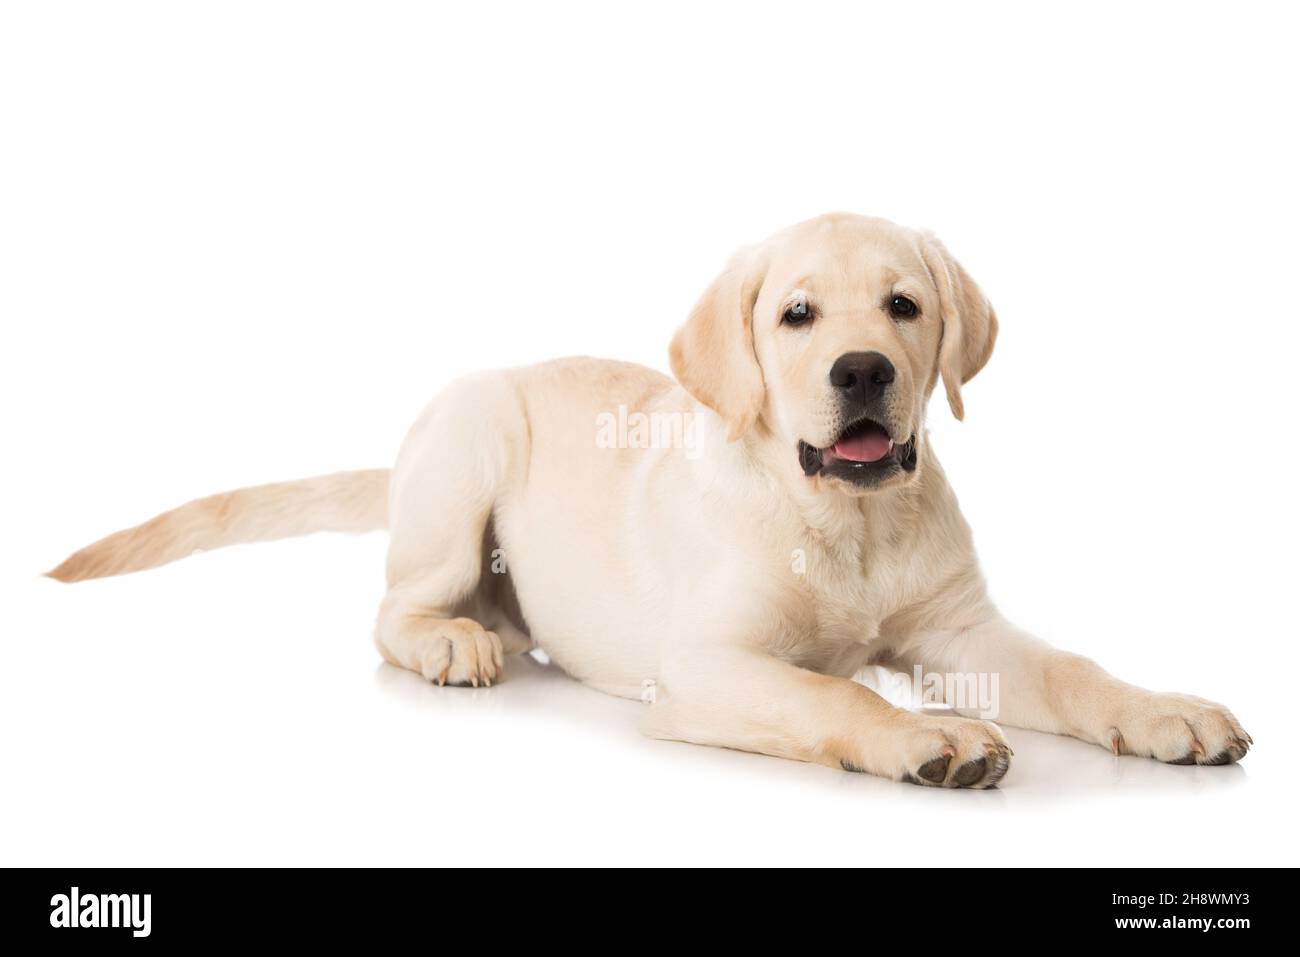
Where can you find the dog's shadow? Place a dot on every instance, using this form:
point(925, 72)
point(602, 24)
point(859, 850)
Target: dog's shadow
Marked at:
point(532, 688)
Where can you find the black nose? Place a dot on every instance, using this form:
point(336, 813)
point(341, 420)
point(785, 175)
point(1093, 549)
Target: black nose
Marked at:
point(862, 375)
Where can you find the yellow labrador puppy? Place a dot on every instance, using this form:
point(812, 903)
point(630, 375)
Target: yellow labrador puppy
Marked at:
point(790, 525)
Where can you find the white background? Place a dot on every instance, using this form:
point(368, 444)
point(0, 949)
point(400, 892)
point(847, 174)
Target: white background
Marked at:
point(242, 242)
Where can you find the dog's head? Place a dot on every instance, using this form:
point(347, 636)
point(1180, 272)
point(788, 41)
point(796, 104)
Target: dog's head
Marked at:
point(831, 335)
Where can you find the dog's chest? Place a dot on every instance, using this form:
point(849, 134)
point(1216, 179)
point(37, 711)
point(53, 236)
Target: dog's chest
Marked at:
point(846, 592)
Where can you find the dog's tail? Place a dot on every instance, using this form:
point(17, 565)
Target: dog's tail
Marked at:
point(343, 502)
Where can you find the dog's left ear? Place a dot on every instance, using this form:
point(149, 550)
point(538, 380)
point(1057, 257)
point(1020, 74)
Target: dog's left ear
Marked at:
point(712, 355)
point(970, 326)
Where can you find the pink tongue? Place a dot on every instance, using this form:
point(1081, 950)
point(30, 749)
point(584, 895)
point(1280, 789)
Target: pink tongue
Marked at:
point(871, 446)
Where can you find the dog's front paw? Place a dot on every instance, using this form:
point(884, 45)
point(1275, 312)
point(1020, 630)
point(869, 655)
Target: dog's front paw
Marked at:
point(1177, 729)
point(944, 753)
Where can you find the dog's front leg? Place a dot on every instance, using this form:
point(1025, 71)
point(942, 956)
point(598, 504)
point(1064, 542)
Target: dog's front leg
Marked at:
point(1045, 689)
point(736, 697)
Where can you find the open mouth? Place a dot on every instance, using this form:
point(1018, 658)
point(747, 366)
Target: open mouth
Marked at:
point(864, 453)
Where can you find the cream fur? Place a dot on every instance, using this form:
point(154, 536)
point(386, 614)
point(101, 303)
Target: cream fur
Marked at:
point(636, 568)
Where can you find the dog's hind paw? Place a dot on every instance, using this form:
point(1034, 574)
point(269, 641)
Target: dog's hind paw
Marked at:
point(460, 651)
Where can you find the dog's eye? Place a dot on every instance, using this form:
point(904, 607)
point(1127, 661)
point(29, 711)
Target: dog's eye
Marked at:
point(900, 307)
point(797, 313)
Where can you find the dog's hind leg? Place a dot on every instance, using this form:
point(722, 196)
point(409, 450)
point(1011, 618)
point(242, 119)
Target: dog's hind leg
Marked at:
point(452, 468)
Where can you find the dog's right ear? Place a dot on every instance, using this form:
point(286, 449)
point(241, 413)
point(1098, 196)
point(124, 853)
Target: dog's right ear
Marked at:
point(713, 357)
